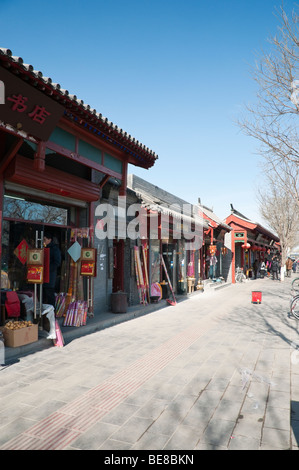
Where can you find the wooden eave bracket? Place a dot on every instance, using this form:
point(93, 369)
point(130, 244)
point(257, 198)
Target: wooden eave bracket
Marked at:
point(10, 154)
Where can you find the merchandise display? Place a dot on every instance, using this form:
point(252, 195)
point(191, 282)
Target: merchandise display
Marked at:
point(140, 277)
point(76, 314)
point(72, 301)
point(16, 325)
point(19, 333)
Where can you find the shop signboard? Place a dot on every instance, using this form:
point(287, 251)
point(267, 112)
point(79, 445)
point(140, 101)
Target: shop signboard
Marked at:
point(35, 256)
point(35, 265)
point(35, 274)
point(88, 262)
point(88, 254)
point(87, 269)
point(26, 108)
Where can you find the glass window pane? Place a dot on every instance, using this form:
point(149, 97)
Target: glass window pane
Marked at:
point(19, 208)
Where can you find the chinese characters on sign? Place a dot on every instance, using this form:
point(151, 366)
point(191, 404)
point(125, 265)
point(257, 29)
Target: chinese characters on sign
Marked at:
point(27, 108)
point(38, 114)
point(21, 251)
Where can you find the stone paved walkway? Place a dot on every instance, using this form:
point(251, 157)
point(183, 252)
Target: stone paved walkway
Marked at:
point(213, 372)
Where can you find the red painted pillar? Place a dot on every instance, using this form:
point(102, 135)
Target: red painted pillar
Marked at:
point(123, 188)
point(39, 157)
point(233, 256)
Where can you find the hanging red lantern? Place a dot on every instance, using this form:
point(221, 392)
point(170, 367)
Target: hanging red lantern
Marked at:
point(246, 246)
point(212, 249)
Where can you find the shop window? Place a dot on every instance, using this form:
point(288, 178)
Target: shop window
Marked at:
point(15, 207)
point(17, 237)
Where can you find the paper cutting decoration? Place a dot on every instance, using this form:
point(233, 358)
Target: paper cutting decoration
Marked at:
point(75, 251)
point(21, 251)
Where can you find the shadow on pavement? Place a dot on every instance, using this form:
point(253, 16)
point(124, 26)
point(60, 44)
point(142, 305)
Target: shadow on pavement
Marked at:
point(295, 420)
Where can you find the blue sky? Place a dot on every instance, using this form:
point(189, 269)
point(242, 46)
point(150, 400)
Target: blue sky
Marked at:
point(174, 74)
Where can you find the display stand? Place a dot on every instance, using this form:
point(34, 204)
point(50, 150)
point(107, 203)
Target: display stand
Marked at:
point(82, 265)
point(35, 275)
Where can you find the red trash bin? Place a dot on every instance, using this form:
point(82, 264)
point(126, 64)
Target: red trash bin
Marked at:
point(256, 297)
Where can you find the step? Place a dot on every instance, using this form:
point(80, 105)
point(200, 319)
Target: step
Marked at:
point(208, 284)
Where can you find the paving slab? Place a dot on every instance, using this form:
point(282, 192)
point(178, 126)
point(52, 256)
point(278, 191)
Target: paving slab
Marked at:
point(214, 372)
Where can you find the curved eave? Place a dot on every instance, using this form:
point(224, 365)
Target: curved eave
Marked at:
point(76, 110)
point(251, 226)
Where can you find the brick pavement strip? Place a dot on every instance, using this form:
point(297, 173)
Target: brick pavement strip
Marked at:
point(214, 372)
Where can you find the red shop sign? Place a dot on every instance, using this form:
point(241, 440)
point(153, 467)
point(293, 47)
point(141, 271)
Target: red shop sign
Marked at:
point(26, 108)
point(35, 274)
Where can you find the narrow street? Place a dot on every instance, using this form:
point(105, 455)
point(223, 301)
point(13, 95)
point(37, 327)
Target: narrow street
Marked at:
point(214, 372)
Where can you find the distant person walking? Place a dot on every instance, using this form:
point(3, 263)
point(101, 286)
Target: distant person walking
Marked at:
point(274, 268)
point(289, 265)
point(294, 267)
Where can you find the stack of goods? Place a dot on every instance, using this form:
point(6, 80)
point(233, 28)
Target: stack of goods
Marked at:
point(18, 333)
point(60, 305)
point(16, 325)
point(76, 314)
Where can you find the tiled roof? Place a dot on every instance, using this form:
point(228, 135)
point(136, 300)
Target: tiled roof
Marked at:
point(257, 225)
point(211, 215)
point(159, 200)
point(76, 108)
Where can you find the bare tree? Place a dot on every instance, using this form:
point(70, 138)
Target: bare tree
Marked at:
point(273, 121)
point(280, 210)
point(286, 175)
point(28, 210)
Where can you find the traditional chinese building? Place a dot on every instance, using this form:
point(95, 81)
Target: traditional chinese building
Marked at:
point(56, 156)
point(176, 224)
point(250, 241)
point(217, 243)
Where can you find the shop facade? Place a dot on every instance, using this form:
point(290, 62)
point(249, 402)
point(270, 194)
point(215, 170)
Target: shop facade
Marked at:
point(171, 223)
point(57, 156)
point(251, 244)
point(216, 253)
